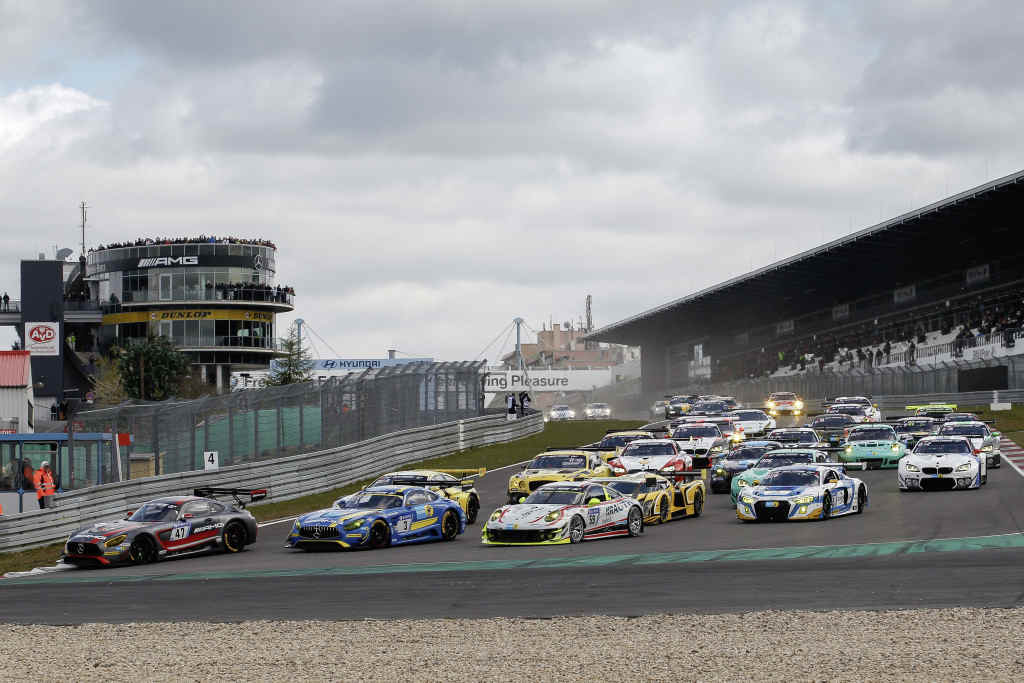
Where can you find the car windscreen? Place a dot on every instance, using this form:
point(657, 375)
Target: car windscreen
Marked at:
point(790, 478)
point(696, 431)
point(793, 437)
point(906, 427)
point(627, 488)
point(960, 417)
point(559, 407)
point(598, 406)
point(770, 461)
point(748, 415)
point(558, 462)
point(617, 441)
point(374, 501)
point(846, 410)
point(155, 512)
point(853, 399)
point(747, 453)
point(943, 447)
point(870, 435)
point(710, 406)
point(555, 497)
point(783, 396)
point(832, 422)
point(646, 450)
point(976, 431)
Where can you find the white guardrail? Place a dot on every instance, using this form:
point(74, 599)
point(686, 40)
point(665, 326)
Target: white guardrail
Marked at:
point(284, 478)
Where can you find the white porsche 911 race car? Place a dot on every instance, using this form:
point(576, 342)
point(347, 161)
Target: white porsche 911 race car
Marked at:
point(942, 463)
point(565, 512)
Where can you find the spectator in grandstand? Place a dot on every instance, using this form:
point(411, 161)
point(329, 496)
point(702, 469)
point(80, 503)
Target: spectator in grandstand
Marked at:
point(911, 351)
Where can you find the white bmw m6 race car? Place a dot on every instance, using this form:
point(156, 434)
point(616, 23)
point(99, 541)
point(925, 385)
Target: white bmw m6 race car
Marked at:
point(942, 463)
point(565, 512)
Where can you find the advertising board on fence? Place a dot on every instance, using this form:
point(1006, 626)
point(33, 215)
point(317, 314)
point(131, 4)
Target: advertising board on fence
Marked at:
point(546, 380)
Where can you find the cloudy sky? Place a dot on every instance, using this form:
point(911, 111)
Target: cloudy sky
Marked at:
point(430, 170)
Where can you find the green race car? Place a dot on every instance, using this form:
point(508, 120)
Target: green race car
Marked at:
point(876, 445)
point(771, 460)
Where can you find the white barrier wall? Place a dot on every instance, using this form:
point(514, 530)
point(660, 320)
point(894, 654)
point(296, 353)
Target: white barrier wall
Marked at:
point(284, 478)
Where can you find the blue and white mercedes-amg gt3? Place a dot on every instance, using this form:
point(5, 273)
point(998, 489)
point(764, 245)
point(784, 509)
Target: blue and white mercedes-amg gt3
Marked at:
point(802, 492)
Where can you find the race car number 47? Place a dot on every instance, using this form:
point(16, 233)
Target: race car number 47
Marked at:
point(179, 532)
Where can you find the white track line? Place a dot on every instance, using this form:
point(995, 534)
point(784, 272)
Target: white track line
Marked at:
point(276, 521)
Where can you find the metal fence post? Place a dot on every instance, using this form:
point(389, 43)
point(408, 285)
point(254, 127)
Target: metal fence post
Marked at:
point(231, 434)
point(156, 442)
point(277, 426)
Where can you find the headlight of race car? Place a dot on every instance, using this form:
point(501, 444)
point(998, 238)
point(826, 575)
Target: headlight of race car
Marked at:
point(747, 499)
point(552, 516)
point(496, 515)
point(742, 483)
point(355, 524)
point(986, 448)
point(116, 540)
point(912, 468)
point(895, 446)
point(720, 472)
point(849, 449)
point(803, 500)
point(717, 449)
point(799, 405)
point(963, 468)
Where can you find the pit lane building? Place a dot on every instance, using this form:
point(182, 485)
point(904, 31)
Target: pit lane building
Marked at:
point(940, 277)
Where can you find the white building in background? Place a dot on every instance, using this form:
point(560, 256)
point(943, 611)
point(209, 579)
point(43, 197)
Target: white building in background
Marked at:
point(16, 393)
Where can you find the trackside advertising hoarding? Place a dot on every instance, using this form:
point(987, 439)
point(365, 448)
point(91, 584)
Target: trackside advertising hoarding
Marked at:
point(42, 339)
point(546, 380)
point(345, 365)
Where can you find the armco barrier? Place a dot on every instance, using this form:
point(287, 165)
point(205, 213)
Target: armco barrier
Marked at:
point(284, 478)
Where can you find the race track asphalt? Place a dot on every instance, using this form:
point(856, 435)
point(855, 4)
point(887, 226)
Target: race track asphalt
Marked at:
point(887, 557)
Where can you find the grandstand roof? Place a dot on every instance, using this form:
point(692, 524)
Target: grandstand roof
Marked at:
point(936, 232)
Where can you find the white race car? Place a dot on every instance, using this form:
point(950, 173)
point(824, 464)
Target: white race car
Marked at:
point(872, 412)
point(754, 422)
point(858, 412)
point(984, 441)
point(942, 463)
point(561, 412)
point(662, 456)
point(597, 411)
point(701, 441)
point(565, 512)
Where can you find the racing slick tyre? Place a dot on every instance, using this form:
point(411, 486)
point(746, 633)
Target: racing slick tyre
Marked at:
point(577, 529)
point(698, 504)
point(380, 535)
point(665, 514)
point(234, 537)
point(826, 506)
point(449, 526)
point(142, 550)
point(862, 499)
point(635, 521)
point(472, 509)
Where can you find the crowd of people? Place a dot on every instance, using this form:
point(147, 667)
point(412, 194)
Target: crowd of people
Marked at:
point(975, 321)
point(248, 291)
point(201, 239)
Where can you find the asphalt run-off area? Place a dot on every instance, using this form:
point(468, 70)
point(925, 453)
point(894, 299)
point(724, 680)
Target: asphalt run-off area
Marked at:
point(957, 548)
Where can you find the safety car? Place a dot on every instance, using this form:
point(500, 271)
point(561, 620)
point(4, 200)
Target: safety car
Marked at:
point(769, 461)
point(984, 441)
point(753, 423)
point(784, 403)
point(597, 411)
point(729, 464)
point(833, 428)
point(661, 456)
point(874, 444)
point(802, 492)
point(380, 516)
point(941, 463)
point(461, 489)
point(556, 464)
point(166, 527)
point(934, 410)
point(910, 430)
point(662, 499)
point(872, 412)
point(565, 512)
point(561, 411)
point(702, 441)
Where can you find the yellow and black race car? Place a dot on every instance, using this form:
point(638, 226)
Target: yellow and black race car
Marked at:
point(662, 499)
point(556, 464)
point(457, 485)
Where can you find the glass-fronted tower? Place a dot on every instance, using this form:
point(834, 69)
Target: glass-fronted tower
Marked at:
point(216, 300)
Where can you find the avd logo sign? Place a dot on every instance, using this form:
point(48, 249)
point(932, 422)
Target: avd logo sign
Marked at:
point(42, 339)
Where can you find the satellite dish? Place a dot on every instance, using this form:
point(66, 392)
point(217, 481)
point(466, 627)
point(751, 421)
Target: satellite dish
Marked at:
point(62, 254)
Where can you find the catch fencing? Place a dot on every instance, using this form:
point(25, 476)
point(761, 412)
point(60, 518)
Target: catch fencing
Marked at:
point(261, 424)
point(284, 478)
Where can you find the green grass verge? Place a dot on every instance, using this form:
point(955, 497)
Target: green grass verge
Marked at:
point(498, 455)
point(1006, 421)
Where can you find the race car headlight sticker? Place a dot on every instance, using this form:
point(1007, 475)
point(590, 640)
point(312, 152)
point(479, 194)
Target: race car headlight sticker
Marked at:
point(116, 540)
point(912, 468)
point(803, 500)
point(747, 500)
point(496, 515)
point(963, 468)
point(355, 524)
point(552, 516)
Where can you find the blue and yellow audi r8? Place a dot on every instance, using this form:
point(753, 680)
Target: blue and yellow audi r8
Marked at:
point(379, 516)
point(802, 492)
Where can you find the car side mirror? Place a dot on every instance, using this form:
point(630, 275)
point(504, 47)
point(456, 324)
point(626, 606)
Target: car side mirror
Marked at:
point(522, 499)
point(128, 515)
point(592, 502)
point(187, 515)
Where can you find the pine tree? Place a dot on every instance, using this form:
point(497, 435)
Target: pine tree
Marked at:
point(153, 369)
point(296, 365)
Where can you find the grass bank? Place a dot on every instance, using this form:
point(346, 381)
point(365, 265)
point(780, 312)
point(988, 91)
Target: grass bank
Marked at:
point(498, 455)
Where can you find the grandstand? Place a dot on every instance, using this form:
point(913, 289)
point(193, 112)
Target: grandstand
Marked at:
point(942, 283)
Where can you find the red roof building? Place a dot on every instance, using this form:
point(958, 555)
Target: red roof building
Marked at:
point(15, 369)
point(17, 396)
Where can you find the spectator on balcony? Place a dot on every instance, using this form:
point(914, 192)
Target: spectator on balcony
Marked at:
point(887, 350)
point(911, 352)
point(7, 301)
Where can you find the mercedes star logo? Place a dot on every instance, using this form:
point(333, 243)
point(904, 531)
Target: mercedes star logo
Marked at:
point(316, 534)
point(257, 262)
